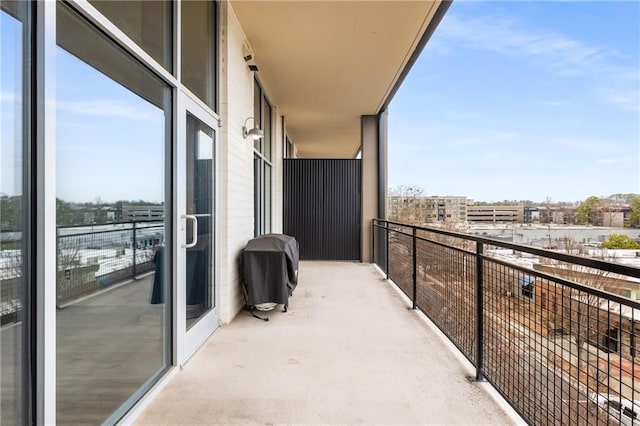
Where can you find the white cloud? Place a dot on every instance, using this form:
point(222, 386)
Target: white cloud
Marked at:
point(598, 147)
point(556, 103)
point(10, 97)
point(612, 76)
point(506, 35)
point(617, 160)
point(109, 108)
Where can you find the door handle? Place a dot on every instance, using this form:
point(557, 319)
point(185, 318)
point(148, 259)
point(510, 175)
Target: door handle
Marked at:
point(195, 230)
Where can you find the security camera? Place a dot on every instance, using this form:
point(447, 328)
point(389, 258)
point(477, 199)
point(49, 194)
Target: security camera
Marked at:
point(247, 58)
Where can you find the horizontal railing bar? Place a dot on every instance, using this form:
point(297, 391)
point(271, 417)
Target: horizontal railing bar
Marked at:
point(110, 223)
point(579, 260)
point(554, 278)
point(514, 345)
point(563, 281)
point(445, 245)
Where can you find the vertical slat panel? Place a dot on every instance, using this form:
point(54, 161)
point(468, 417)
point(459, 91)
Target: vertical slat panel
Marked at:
point(322, 207)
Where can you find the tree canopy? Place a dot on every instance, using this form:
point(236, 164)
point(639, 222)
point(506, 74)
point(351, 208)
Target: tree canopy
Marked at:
point(586, 211)
point(620, 241)
point(634, 216)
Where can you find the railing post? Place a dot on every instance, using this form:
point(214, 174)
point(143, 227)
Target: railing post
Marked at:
point(135, 244)
point(415, 267)
point(479, 310)
point(386, 268)
point(373, 241)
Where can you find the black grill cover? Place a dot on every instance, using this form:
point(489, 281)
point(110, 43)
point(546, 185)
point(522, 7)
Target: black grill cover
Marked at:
point(270, 269)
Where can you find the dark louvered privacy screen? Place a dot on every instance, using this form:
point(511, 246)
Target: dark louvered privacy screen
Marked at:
point(322, 207)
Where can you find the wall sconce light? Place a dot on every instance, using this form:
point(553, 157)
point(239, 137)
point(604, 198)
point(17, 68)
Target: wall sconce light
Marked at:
point(254, 133)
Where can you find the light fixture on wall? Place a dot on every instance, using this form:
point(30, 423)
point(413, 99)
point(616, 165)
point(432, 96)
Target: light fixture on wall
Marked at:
point(254, 133)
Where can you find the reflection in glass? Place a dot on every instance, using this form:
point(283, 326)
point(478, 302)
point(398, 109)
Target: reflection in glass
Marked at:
point(257, 196)
point(113, 122)
point(267, 199)
point(198, 49)
point(257, 112)
point(266, 127)
point(146, 22)
point(12, 232)
point(200, 160)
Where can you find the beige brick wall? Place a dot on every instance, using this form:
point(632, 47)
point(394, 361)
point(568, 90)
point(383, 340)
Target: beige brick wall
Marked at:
point(236, 163)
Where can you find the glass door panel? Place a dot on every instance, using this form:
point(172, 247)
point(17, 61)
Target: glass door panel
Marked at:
point(14, 237)
point(200, 297)
point(196, 170)
point(114, 235)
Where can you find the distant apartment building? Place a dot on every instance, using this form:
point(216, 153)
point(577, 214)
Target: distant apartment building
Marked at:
point(531, 214)
point(432, 209)
point(613, 219)
point(495, 214)
point(560, 214)
point(131, 213)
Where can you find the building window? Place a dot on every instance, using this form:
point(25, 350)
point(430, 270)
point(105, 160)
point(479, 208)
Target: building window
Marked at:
point(15, 317)
point(262, 163)
point(113, 128)
point(147, 23)
point(288, 148)
point(198, 41)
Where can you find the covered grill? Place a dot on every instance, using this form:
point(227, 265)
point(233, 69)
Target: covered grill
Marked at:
point(270, 269)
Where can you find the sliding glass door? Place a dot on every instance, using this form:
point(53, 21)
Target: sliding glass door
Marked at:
point(14, 213)
point(113, 317)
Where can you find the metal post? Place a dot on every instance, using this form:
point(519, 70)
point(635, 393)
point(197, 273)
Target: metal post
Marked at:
point(135, 244)
point(386, 225)
point(373, 241)
point(415, 267)
point(479, 311)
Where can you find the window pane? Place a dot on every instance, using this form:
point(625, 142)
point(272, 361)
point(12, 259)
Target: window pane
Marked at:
point(146, 22)
point(266, 126)
point(257, 196)
point(267, 199)
point(113, 127)
point(257, 109)
point(13, 86)
point(198, 49)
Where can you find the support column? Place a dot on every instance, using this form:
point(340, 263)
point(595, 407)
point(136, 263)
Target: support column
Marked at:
point(373, 191)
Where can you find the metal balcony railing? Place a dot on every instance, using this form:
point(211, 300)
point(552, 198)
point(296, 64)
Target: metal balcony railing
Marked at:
point(555, 333)
point(96, 256)
point(89, 259)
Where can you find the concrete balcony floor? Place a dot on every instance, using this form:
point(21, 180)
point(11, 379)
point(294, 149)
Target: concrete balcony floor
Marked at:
point(349, 351)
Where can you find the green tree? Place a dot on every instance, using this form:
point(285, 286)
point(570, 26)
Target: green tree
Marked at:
point(407, 208)
point(64, 214)
point(585, 213)
point(634, 217)
point(10, 213)
point(620, 241)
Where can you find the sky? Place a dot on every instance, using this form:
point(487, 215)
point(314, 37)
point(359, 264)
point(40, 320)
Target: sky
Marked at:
point(109, 141)
point(523, 101)
point(10, 106)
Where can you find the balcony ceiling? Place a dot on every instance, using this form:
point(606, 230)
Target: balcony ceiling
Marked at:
point(326, 63)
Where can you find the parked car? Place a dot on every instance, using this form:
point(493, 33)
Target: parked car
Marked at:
point(620, 409)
